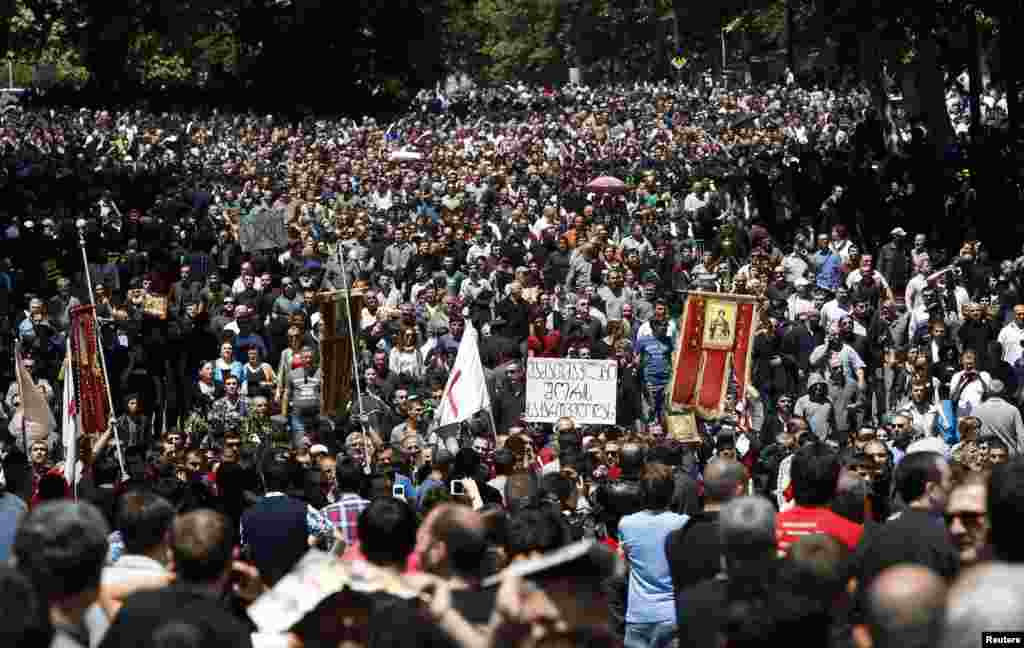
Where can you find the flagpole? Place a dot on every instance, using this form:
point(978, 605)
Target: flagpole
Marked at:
point(17, 373)
point(103, 358)
point(24, 432)
point(355, 356)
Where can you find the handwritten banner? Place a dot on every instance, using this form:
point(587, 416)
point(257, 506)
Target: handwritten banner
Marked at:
point(584, 390)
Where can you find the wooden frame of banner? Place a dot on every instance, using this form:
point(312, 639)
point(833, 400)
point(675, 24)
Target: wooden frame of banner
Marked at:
point(336, 359)
point(691, 359)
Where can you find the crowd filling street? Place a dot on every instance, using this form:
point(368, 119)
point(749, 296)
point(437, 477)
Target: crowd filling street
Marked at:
point(176, 290)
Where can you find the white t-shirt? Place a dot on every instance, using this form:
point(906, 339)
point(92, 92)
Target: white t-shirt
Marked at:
point(1011, 337)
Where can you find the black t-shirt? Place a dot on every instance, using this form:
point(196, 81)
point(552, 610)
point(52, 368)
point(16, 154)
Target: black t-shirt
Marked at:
point(475, 605)
point(398, 623)
point(146, 612)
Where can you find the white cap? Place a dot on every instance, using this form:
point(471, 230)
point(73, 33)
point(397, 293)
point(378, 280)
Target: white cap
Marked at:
point(318, 449)
point(899, 231)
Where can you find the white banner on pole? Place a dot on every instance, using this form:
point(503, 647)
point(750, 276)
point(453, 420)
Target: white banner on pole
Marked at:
point(585, 390)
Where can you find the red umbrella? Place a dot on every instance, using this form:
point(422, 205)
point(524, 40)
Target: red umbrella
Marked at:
point(607, 184)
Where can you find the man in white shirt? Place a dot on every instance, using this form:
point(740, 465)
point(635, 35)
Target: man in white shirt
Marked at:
point(969, 386)
point(637, 241)
point(143, 522)
point(801, 300)
point(916, 286)
point(796, 263)
point(695, 200)
point(920, 250)
point(238, 287)
point(1012, 335)
point(836, 309)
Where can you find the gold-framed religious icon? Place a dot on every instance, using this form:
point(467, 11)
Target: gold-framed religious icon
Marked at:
point(719, 324)
point(155, 306)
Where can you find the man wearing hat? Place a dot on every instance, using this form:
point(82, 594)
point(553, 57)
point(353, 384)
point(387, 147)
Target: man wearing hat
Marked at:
point(894, 261)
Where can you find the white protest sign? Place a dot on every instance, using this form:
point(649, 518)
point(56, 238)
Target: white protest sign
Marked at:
point(582, 389)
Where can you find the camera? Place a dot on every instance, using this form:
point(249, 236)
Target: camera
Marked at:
point(458, 488)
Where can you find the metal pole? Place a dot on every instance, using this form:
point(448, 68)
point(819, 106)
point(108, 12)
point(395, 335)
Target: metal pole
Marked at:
point(355, 356)
point(103, 358)
point(724, 63)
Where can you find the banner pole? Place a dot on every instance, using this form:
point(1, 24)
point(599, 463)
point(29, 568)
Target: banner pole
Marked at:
point(103, 358)
point(355, 356)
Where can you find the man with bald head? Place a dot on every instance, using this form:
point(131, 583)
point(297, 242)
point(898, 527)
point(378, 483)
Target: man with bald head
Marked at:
point(451, 543)
point(904, 608)
point(693, 551)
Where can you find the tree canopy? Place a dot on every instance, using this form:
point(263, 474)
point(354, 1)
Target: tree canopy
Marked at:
point(301, 52)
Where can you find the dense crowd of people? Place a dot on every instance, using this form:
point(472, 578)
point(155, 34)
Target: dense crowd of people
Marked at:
point(862, 491)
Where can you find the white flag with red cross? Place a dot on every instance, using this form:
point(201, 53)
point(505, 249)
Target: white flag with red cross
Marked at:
point(466, 391)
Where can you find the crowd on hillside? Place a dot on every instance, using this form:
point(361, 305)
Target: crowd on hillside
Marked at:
point(860, 491)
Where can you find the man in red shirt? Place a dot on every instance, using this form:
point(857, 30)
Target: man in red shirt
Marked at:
point(815, 475)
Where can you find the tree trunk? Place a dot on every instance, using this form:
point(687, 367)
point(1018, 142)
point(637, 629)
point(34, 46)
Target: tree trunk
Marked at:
point(790, 27)
point(7, 10)
point(933, 97)
point(974, 73)
point(1008, 58)
point(870, 63)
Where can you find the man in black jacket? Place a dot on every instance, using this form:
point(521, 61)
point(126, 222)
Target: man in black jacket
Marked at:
point(755, 597)
point(510, 402)
point(694, 552)
point(516, 312)
point(917, 535)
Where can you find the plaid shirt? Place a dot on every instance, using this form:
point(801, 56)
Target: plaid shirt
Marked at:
point(344, 515)
point(316, 524)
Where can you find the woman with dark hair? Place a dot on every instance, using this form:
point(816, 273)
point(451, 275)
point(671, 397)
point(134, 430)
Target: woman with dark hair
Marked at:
point(234, 483)
point(259, 378)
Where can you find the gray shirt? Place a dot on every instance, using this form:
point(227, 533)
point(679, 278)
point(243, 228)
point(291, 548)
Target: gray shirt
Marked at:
point(613, 302)
point(304, 390)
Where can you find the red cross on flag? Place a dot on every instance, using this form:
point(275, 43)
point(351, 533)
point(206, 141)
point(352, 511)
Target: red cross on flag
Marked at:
point(466, 391)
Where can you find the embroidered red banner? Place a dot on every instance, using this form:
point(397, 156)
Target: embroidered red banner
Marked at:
point(715, 340)
point(90, 387)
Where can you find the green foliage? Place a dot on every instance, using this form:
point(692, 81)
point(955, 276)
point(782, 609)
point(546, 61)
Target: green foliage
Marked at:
point(518, 35)
point(391, 48)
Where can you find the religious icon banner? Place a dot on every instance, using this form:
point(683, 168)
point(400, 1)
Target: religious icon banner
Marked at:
point(715, 340)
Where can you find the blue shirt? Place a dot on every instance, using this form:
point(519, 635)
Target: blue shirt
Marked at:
point(651, 598)
point(406, 484)
point(830, 275)
point(657, 359)
point(12, 508)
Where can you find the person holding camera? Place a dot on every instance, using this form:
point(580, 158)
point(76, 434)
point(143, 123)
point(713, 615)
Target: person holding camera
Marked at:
point(969, 386)
point(845, 374)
